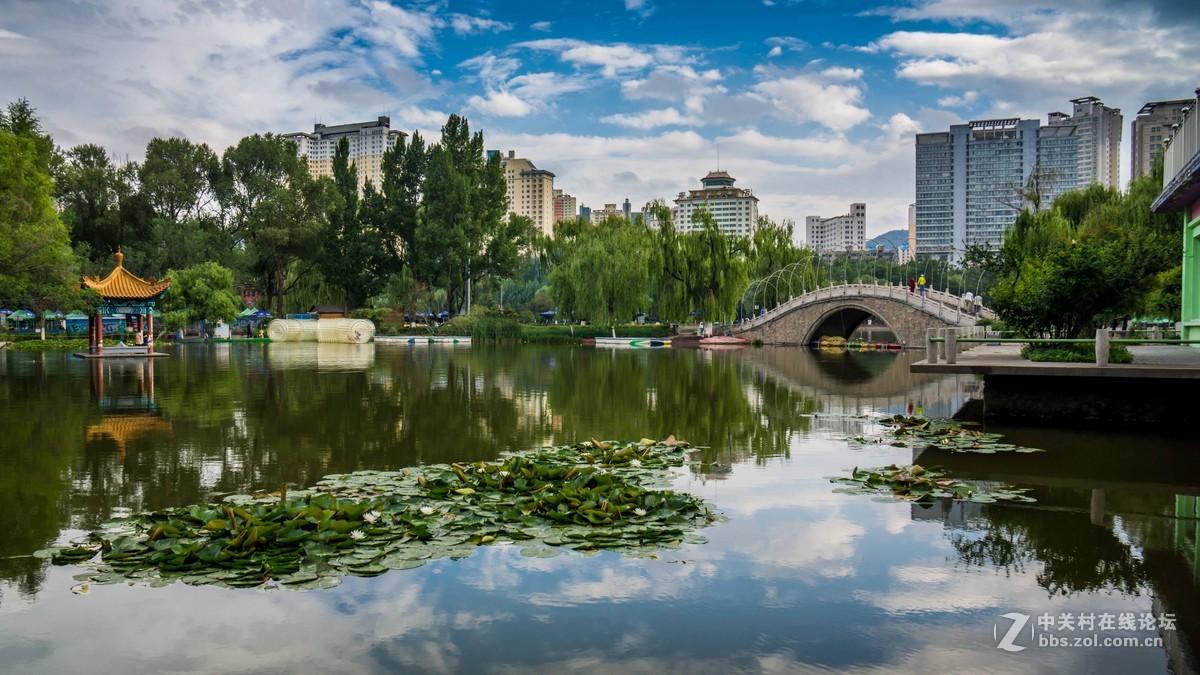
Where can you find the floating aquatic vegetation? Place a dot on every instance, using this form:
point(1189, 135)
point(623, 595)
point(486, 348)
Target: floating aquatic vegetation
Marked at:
point(916, 483)
point(587, 497)
point(953, 436)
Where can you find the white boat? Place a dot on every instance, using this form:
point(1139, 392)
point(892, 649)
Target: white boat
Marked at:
point(633, 343)
point(424, 339)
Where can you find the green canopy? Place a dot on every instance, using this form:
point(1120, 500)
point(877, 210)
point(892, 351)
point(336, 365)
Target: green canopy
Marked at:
point(249, 311)
point(21, 315)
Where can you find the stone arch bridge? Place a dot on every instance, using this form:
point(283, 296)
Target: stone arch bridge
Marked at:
point(839, 310)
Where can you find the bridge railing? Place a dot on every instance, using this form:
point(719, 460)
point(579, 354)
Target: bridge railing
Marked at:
point(946, 306)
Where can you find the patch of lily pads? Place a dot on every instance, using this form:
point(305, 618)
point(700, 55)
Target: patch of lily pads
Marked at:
point(587, 497)
point(918, 484)
point(908, 431)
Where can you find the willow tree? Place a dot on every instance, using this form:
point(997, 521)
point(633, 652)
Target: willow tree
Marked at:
point(704, 270)
point(603, 274)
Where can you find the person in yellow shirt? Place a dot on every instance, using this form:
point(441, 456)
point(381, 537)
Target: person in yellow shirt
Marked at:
point(921, 284)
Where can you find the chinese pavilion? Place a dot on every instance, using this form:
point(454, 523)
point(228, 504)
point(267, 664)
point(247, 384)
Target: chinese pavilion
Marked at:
point(124, 293)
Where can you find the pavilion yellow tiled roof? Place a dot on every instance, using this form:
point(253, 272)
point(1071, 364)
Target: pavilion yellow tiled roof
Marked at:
point(121, 283)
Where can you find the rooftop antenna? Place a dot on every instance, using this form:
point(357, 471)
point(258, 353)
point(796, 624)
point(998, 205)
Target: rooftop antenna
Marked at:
point(718, 155)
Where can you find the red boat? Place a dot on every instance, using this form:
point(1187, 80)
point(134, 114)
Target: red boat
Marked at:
point(723, 342)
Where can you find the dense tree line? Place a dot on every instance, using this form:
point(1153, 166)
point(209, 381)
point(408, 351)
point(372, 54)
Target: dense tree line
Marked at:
point(436, 233)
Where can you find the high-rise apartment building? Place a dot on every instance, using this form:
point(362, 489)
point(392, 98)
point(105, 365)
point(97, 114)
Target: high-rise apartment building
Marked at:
point(530, 191)
point(1150, 129)
point(843, 233)
point(1099, 130)
point(564, 206)
point(735, 210)
point(972, 180)
point(368, 141)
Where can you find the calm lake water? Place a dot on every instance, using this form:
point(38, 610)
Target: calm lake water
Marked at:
point(799, 578)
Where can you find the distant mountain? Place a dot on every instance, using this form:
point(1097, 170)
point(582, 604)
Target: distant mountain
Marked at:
point(888, 240)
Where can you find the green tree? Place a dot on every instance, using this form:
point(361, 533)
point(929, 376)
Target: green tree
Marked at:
point(461, 235)
point(200, 293)
point(37, 268)
point(354, 257)
point(1095, 255)
point(273, 208)
point(604, 275)
point(703, 270)
point(21, 120)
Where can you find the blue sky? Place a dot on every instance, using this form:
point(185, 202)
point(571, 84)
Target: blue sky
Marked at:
point(811, 103)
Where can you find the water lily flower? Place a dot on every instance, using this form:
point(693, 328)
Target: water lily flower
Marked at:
point(372, 516)
point(358, 534)
point(504, 474)
point(635, 462)
point(427, 510)
point(639, 512)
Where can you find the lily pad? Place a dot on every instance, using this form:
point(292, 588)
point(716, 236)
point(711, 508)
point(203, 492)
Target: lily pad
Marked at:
point(597, 495)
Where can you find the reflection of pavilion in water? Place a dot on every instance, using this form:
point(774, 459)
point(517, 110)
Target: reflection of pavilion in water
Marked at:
point(124, 391)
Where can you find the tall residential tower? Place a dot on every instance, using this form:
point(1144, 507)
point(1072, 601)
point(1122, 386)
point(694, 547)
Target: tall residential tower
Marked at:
point(368, 142)
point(972, 180)
point(1150, 129)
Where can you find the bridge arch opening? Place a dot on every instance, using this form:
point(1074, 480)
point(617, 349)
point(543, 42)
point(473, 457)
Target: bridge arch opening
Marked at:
point(844, 321)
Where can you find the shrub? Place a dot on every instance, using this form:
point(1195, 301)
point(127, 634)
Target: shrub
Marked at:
point(1073, 353)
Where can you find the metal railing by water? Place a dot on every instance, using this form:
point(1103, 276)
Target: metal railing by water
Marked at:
point(947, 343)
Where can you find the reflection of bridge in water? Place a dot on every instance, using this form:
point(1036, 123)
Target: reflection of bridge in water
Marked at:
point(850, 384)
point(837, 311)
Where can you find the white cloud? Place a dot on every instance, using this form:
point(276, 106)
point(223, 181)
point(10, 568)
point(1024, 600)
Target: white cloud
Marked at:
point(642, 7)
point(822, 98)
point(492, 68)
point(541, 26)
point(611, 59)
point(464, 24)
point(649, 119)
point(967, 98)
point(500, 103)
point(781, 43)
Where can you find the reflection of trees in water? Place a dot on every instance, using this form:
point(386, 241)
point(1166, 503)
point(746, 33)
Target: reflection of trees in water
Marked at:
point(38, 443)
point(239, 423)
point(1076, 556)
point(713, 399)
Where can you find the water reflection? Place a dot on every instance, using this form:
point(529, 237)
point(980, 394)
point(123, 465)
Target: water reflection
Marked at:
point(799, 578)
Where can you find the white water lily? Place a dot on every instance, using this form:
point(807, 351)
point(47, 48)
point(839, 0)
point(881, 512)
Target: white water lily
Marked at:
point(639, 512)
point(372, 516)
point(427, 510)
point(635, 462)
point(358, 534)
point(504, 474)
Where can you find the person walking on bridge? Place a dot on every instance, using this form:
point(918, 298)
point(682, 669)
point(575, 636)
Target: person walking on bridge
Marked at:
point(912, 285)
point(921, 284)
